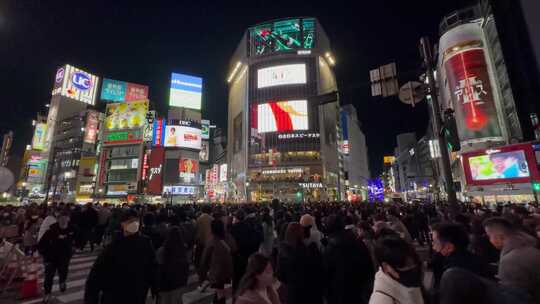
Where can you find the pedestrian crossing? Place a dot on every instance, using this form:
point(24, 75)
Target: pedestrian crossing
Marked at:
point(79, 269)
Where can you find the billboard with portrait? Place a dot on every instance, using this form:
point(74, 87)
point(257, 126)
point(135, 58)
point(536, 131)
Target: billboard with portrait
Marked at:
point(205, 151)
point(278, 75)
point(126, 115)
point(39, 138)
point(509, 164)
point(182, 137)
point(91, 127)
point(76, 84)
point(120, 91)
point(282, 116)
point(186, 91)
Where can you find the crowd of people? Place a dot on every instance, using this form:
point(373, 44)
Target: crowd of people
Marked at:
point(332, 252)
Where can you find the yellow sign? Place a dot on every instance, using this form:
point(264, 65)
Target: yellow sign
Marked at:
point(389, 160)
point(126, 115)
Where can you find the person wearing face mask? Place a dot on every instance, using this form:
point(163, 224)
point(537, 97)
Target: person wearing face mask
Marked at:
point(451, 242)
point(256, 286)
point(126, 269)
point(399, 277)
point(55, 247)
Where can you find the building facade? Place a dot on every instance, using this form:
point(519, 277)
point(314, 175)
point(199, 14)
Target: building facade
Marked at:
point(281, 144)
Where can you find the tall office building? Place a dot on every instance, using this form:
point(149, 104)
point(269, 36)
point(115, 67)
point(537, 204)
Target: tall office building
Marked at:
point(282, 142)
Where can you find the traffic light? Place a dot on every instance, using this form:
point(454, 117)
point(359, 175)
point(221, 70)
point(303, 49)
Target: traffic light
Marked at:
point(449, 130)
point(536, 186)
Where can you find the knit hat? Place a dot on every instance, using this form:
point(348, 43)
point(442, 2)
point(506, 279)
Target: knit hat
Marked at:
point(307, 220)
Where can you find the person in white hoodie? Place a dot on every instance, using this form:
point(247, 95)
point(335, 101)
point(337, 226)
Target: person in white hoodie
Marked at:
point(400, 276)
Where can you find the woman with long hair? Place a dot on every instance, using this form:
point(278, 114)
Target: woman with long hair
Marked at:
point(256, 284)
point(173, 267)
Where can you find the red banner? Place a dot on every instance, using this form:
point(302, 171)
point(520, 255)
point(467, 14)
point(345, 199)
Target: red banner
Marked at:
point(136, 91)
point(155, 169)
point(472, 96)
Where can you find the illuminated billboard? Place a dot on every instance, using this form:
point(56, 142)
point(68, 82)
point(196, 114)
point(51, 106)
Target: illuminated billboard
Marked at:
point(91, 127)
point(182, 137)
point(188, 167)
point(120, 91)
point(510, 164)
point(76, 84)
point(281, 75)
point(223, 173)
point(186, 91)
point(282, 35)
point(38, 141)
point(472, 96)
point(155, 169)
point(158, 136)
point(205, 129)
point(282, 116)
point(126, 115)
point(205, 151)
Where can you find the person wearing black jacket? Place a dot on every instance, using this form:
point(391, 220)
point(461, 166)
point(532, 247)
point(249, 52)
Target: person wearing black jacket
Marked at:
point(126, 269)
point(247, 233)
point(56, 249)
point(450, 241)
point(349, 265)
point(88, 223)
point(173, 267)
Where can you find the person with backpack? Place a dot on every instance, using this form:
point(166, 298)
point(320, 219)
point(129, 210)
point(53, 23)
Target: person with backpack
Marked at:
point(217, 262)
point(173, 267)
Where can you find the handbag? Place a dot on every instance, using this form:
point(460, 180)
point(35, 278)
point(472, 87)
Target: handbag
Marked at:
point(201, 295)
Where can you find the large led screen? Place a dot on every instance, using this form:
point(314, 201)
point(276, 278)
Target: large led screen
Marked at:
point(126, 115)
point(186, 91)
point(281, 75)
point(504, 165)
point(282, 116)
point(182, 137)
point(282, 35)
point(38, 141)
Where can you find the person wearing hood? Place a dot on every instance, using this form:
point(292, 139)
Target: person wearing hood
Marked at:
point(519, 264)
point(400, 276)
point(126, 269)
point(310, 228)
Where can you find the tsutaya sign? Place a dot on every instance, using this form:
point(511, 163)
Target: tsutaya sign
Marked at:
point(310, 185)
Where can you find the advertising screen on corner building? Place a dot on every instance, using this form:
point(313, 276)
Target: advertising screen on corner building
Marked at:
point(182, 137)
point(76, 84)
point(282, 116)
point(186, 91)
point(281, 75)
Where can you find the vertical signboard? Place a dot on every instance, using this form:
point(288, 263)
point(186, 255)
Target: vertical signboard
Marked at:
point(472, 96)
point(155, 169)
point(90, 129)
point(205, 129)
point(158, 136)
point(38, 141)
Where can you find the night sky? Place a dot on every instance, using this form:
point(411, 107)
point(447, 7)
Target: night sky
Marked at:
point(145, 43)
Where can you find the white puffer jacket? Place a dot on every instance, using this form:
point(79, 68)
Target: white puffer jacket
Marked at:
point(388, 291)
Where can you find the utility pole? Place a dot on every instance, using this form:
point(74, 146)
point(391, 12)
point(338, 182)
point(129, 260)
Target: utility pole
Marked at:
point(426, 53)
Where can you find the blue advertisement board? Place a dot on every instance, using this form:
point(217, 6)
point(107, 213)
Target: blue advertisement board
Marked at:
point(186, 91)
point(113, 90)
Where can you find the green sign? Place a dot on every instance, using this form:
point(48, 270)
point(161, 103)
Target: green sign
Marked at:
point(124, 136)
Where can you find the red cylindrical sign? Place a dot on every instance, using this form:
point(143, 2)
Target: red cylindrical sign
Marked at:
point(472, 96)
